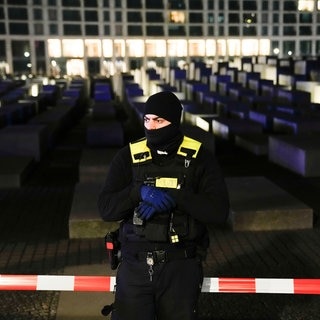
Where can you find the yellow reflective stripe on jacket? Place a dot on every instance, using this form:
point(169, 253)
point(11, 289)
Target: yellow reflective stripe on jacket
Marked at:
point(189, 143)
point(140, 147)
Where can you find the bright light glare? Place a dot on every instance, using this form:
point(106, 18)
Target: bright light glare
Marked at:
point(210, 48)
point(264, 47)
point(156, 48)
point(54, 48)
point(306, 5)
point(177, 48)
point(93, 48)
point(75, 67)
point(234, 47)
point(73, 48)
point(250, 47)
point(136, 48)
point(107, 48)
point(197, 48)
point(221, 47)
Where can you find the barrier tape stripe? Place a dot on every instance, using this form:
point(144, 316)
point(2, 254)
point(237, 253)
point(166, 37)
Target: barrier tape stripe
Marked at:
point(107, 284)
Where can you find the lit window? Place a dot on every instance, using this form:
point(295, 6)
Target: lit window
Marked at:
point(93, 48)
point(210, 48)
point(177, 17)
point(264, 47)
point(54, 48)
point(136, 48)
point(119, 48)
point(156, 48)
point(306, 5)
point(234, 47)
point(221, 47)
point(250, 47)
point(197, 48)
point(177, 48)
point(249, 18)
point(73, 47)
point(107, 48)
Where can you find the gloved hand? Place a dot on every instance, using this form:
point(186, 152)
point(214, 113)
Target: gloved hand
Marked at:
point(159, 199)
point(145, 210)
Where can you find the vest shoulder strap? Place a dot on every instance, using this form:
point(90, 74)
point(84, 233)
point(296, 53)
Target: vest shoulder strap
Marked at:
point(189, 147)
point(139, 151)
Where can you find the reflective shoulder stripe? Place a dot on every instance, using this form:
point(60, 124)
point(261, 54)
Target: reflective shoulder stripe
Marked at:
point(139, 151)
point(191, 144)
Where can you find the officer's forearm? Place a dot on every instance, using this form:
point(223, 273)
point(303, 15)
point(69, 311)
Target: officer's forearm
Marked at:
point(115, 206)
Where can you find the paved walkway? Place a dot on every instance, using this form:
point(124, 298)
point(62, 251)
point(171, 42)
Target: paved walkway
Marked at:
point(34, 240)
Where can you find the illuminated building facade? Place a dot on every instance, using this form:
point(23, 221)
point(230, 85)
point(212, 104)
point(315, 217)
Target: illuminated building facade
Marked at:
point(101, 36)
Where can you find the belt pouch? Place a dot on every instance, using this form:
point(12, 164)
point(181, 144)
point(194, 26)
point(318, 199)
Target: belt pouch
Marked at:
point(157, 228)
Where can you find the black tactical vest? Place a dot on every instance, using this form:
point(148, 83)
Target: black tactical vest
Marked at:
point(177, 174)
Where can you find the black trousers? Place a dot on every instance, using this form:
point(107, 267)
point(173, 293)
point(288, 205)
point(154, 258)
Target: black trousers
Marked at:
point(171, 294)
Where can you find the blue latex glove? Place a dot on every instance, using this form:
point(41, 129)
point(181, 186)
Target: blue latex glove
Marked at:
point(145, 210)
point(159, 199)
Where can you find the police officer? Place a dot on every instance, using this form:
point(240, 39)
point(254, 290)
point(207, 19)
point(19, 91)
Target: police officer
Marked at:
point(164, 188)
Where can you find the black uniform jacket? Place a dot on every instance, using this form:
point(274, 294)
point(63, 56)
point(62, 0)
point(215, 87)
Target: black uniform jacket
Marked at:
point(208, 202)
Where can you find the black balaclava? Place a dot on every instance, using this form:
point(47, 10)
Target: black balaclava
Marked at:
point(166, 105)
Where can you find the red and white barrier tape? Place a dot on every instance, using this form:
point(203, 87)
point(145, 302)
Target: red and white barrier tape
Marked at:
point(107, 284)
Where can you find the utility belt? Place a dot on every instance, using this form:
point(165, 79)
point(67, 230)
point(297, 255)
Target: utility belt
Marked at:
point(163, 256)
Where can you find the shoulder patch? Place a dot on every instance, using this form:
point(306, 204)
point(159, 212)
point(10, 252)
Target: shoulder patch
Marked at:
point(139, 151)
point(189, 147)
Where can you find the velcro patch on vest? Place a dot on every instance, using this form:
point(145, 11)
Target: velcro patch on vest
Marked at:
point(164, 182)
